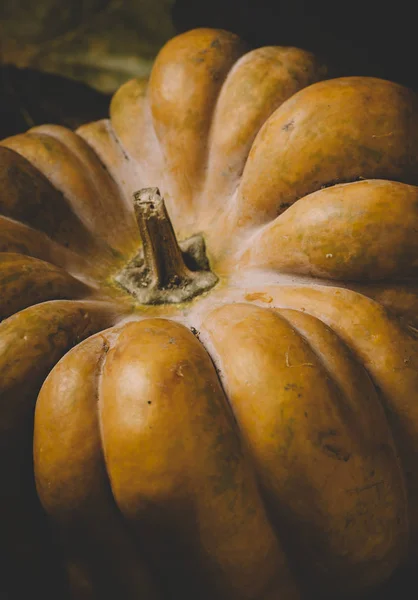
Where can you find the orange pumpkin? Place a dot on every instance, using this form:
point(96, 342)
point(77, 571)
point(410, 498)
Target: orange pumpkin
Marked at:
point(241, 419)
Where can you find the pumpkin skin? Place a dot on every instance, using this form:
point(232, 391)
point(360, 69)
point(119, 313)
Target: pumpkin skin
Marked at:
point(258, 441)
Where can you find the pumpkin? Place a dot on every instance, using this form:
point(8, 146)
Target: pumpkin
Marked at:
point(209, 332)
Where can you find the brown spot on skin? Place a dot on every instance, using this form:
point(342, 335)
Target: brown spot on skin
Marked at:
point(259, 296)
point(336, 452)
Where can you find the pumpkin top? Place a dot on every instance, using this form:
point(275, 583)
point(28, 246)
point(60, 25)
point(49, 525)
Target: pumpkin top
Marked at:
point(232, 140)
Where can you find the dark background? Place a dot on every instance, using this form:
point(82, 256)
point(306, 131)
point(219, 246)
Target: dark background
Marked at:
point(357, 37)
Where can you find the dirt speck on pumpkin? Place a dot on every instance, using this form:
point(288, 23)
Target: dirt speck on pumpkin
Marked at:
point(289, 126)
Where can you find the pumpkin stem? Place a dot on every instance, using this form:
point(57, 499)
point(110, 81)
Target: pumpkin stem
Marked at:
point(164, 271)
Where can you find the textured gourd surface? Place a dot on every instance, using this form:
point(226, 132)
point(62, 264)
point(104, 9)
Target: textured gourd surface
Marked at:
point(258, 442)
